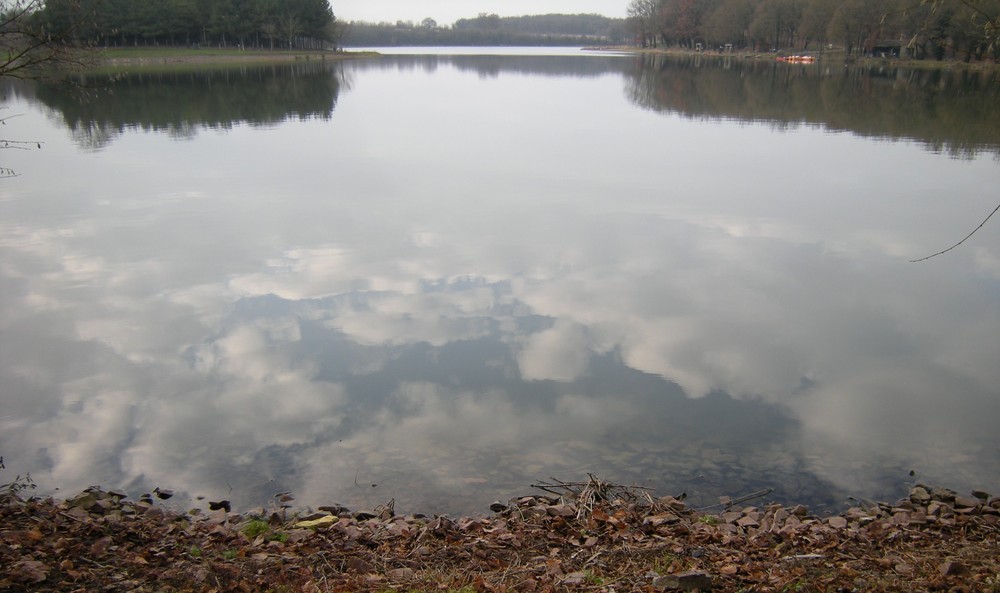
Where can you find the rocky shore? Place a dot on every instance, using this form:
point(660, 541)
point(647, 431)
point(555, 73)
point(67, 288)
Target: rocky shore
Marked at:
point(587, 536)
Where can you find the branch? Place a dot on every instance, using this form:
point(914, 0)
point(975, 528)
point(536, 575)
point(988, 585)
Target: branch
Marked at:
point(913, 261)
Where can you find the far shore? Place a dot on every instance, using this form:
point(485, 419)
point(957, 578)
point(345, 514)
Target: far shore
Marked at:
point(150, 56)
point(826, 56)
point(145, 56)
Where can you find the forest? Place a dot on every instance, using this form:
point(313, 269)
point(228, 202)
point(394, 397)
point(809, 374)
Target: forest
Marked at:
point(297, 24)
point(491, 29)
point(960, 29)
point(966, 30)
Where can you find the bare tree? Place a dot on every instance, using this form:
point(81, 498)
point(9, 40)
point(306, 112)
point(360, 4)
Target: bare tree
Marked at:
point(29, 48)
point(642, 16)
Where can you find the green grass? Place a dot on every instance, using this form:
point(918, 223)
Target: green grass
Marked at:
point(174, 59)
point(112, 53)
point(255, 527)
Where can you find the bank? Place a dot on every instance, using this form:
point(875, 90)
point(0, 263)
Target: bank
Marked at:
point(146, 56)
point(821, 57)
point(589, 536)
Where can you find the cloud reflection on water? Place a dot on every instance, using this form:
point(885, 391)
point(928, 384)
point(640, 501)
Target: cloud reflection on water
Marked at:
point(262, 335)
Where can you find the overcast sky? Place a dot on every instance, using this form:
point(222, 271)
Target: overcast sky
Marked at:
point(446, 12)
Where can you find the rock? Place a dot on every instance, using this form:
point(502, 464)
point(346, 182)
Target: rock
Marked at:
point(320, 522)
point(780, 515)
point(335, 509)
point(952, 567)
point(534, 513)
point(661, 519)
point(747, 522)
point(690, 580)
point(365, 515)
point(561, 510)
point(981, 495)
point(359, 566)
point(31, 571)
point(943, 494)
point(837, 522)
point(401, 574)
point(920, 495)
point(731, 516)
point(163, 494)
point(672, 503)
point(498, 507)
point(83, 501)
point(962, 502)
point(574, 578)
point(903, 568)
point(799, 511)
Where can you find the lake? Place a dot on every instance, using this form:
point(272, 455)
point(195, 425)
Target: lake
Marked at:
point(440, 278)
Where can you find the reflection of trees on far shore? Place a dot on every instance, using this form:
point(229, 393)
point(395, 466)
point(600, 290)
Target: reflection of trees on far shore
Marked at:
point(957, 112)
point(490, 66)
point(183, 102)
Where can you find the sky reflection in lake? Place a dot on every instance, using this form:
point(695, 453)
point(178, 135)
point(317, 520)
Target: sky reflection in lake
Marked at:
point(481, 271)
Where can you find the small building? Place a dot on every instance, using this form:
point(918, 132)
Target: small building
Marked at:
point(887, 49)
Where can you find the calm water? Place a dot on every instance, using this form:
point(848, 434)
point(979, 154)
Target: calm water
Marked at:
point(440, 278)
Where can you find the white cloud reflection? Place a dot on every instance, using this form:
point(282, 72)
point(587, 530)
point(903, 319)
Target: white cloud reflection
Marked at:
point(429, 340)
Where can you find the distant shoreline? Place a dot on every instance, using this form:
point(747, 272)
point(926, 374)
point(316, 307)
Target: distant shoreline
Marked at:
point(147, 56)
point(821, 56)
point(183, 55)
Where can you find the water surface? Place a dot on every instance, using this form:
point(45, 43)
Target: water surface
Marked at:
point(439, 278)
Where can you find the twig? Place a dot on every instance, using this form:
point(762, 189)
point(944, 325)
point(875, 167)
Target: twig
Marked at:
point(913, 261)
point(740, 500)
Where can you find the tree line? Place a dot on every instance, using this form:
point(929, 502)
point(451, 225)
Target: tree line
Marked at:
point(491, 29)
point(297, 24)
point(964, 29)
point(953, 111)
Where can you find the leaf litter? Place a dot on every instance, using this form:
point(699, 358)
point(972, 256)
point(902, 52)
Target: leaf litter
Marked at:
point(577, 536)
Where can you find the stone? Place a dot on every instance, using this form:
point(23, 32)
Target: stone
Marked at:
point(920, 495)
point(561, 510)
point(963, 502)
point(799, 510)
point(981, 495)
point(690, 580)
point(401, 574)
point(747, 522)
point(672, 503)
point(323, 521)
point(837, 522)
point(952, 567)
point(359, 566)
point(731, 516)
point(661, 519)
point(498, 507)
point(943, 494)
point(335, 509)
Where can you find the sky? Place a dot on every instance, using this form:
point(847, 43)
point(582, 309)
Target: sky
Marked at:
point(446, 12)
